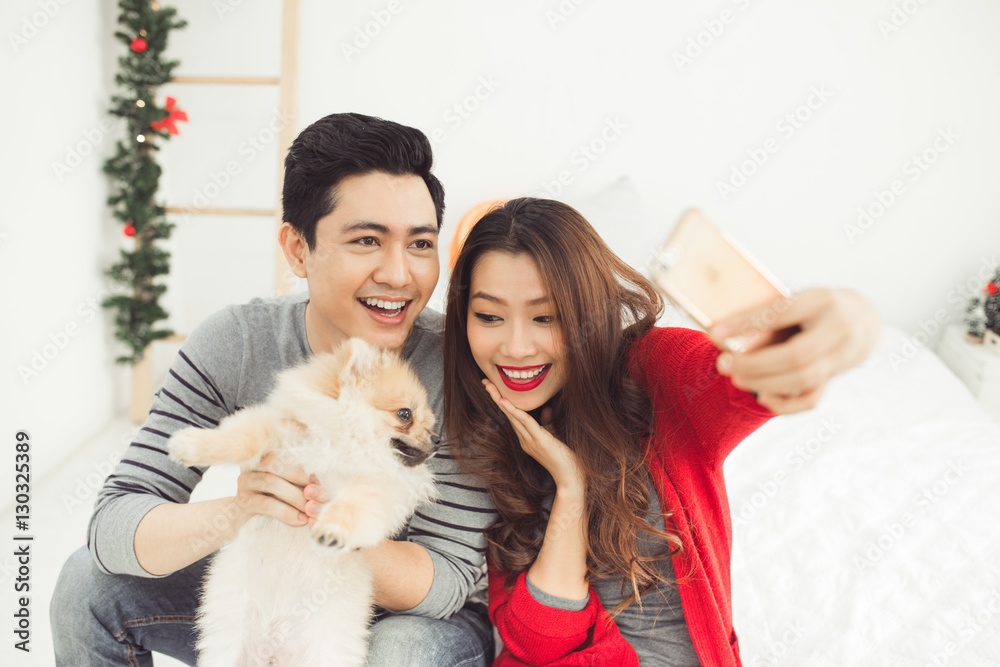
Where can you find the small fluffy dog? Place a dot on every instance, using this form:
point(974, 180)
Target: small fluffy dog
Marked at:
point(279, 595)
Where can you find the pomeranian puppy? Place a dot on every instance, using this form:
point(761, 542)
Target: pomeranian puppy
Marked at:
point(284, 596)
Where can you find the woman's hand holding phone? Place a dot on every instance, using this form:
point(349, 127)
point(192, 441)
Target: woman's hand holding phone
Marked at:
point(783, 347)
point(837, 329)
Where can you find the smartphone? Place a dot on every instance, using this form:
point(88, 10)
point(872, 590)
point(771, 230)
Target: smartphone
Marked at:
point(710, 277)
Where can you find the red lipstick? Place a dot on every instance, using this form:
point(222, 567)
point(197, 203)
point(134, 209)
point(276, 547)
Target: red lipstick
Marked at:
point(523, 386)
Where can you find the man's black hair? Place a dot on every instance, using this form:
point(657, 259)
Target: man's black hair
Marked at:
point(350, 144)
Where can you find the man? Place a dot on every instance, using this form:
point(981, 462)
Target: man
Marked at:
point(362, 214)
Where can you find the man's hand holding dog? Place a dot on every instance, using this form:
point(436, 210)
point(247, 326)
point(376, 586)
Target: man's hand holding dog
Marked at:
point(276, 489)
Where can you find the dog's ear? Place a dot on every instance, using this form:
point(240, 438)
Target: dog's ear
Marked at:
point(361, 359)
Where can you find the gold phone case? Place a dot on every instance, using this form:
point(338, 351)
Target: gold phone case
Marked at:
point(705, 273)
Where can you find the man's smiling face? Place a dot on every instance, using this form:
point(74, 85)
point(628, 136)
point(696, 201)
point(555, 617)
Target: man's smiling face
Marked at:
point(375, 263)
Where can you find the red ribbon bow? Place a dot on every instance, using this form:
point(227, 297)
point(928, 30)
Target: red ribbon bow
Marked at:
point(170, 120)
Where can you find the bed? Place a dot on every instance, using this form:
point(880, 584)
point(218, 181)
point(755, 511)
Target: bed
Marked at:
point(867, 531)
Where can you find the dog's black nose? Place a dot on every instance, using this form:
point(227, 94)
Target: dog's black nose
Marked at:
point(411, 455)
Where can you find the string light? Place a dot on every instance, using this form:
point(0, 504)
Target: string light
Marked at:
point(140, 103)
point(141, 138)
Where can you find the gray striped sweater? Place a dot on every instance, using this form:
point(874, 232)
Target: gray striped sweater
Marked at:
point(229, 362)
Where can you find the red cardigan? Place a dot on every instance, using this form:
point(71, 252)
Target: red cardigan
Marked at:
point(699, 418)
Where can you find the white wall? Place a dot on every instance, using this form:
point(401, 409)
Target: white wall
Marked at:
point(58, 379)
point(553, 86)
point(226, 156)
point(688, 127)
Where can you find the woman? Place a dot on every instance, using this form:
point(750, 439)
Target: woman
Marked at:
point(601, 438)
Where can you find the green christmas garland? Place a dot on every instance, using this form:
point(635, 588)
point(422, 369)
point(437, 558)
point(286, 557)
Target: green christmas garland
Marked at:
point(136, 175)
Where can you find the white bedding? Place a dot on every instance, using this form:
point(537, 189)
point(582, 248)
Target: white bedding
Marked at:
point(867, 531)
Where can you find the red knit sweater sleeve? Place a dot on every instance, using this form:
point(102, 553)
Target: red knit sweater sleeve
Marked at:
point(676, 367)
point(536, 635)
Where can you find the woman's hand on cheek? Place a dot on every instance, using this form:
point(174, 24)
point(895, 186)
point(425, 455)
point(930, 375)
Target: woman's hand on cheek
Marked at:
point(838, 329)
point(538, 443)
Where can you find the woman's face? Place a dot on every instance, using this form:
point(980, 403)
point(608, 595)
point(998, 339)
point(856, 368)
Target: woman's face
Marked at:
point(513, 332)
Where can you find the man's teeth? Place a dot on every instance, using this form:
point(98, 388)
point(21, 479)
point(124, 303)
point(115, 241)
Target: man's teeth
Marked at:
point(388, 305)
point(523, 375)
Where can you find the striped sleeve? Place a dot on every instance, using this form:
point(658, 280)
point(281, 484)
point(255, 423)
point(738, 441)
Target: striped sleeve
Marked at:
point(200, 389)
point(451, 530)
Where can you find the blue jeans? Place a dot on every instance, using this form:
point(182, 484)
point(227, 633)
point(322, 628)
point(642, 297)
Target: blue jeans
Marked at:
point(100, 619)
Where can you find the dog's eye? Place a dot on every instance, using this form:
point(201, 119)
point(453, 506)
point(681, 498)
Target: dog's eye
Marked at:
point(404, 415)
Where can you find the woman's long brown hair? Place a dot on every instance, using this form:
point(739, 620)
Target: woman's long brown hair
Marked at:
point(603, 306)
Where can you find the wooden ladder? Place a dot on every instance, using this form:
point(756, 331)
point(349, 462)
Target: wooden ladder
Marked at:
point(287, 82)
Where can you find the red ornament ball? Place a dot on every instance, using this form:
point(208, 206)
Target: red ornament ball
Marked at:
point(139, 45)
point(129, 229)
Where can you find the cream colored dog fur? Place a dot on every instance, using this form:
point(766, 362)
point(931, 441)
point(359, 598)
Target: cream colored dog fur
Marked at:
point(278, 595)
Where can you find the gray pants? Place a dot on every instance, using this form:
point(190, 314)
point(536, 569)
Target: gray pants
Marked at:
point(100, 619)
